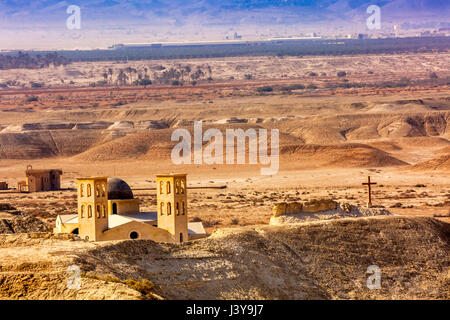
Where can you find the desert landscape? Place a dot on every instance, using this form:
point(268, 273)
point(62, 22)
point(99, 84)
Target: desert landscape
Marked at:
point(340, 119)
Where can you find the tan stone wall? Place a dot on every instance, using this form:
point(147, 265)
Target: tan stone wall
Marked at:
point(91, 222)
point(44, 180)
point(175, 222)
point(124, 206)
point(145, 231)
point(65, 228)
point(286, 208)
point(319, 205)
point(308, 206)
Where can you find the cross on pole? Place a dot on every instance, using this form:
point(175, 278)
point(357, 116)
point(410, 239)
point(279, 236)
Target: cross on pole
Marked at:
point(369, 189)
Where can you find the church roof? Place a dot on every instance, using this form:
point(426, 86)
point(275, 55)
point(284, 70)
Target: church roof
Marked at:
point(119, 189)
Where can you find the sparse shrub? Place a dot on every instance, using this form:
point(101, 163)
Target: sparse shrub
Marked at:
point(160, 67)
point(341, 74)
point(119, 103)
point(297, 86)
point(420, 185)
point(36, 85)
point(142, 82)
point(397, 205)
point(32, 98)
point(311, 86)
point(234, 221)
point(210, 223)
point(145, 286)
point(264, 89)
point(313, 74)
point(248, 76)
point(433, 75)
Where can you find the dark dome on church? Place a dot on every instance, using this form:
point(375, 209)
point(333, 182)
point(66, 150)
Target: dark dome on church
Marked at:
point(118, 189)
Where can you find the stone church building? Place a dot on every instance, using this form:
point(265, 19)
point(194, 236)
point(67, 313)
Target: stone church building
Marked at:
point(107, 210)
point(40, 180)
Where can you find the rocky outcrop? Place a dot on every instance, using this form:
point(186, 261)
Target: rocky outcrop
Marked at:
point(14, 221)
point(319, 209)
point(313, 205)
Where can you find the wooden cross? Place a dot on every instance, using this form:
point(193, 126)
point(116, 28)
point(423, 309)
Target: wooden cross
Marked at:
point(369, 189)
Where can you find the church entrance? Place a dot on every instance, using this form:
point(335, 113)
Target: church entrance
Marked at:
point(75, 231)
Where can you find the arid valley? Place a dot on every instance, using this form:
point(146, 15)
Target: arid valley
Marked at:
point(387, 117)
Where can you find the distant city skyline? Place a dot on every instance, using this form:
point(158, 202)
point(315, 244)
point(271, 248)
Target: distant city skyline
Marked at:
point(42, 24)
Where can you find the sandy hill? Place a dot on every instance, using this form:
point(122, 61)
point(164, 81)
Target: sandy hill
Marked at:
point(340, 155)
point(412, 143)
point(131, 146)
point(441, 163)
point(318, 260)
point(45, 144)
point(157, 144)
point(364, 126)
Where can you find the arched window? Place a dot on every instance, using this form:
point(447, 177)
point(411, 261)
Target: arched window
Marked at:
point(97, 190)
point(168, 187)
point(161, 209)
point(103, 190)
point(89, 192)
point(177, 208)
point(182, 187)
point(183, 208)
point(103, 211)
point(98, 211)
point(82, 210)
point(161, 187)
point(169, 208)
point(177, 187)
point(82, 190)
point(89, 211)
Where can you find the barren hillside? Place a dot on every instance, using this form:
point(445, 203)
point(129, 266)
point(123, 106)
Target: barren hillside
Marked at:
point(320, 260)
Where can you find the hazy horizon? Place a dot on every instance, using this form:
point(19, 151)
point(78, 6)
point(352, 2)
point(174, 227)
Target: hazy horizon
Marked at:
point(42, 24)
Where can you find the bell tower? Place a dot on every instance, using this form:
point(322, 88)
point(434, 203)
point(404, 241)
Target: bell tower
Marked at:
point(92, 196)
point(171, 200)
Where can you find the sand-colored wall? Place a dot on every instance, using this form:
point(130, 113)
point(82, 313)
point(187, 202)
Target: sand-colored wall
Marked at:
point(124, 206)
point(175, 223)
point(91, 227)
point(144, 230)
point(65, 227)
point(44, 180)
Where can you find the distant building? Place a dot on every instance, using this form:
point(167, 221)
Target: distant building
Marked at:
point(40, 180)
point(3, 185)
point(107, 210)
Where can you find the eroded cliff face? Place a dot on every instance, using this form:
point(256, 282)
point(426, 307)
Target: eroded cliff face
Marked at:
point(316, 260)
